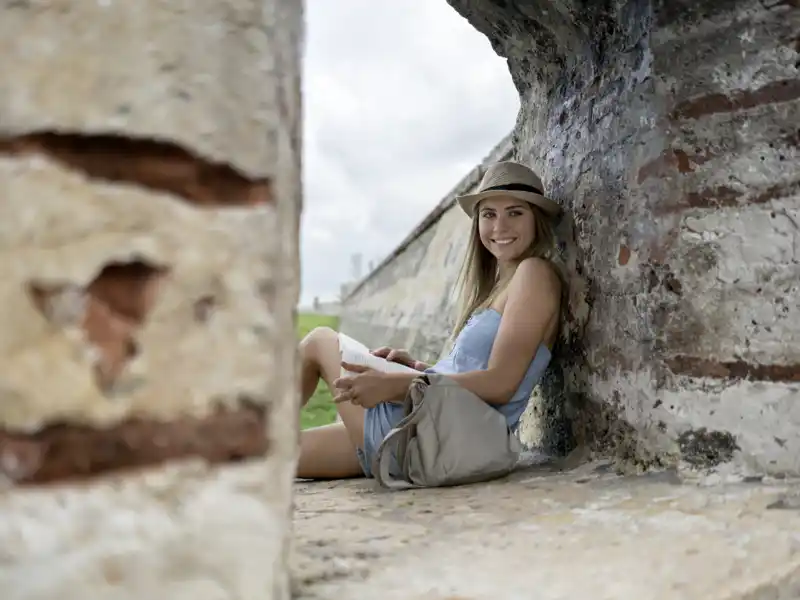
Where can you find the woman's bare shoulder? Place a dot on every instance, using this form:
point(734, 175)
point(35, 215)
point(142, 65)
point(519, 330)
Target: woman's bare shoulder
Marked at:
point(537, 272)
point(535, 280)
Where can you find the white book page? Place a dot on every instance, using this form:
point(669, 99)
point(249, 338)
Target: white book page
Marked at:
point(356, 353)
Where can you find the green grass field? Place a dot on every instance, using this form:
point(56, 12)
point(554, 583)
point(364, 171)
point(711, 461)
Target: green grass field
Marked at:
point(320, 410)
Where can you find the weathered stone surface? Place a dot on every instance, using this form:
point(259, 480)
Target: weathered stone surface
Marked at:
point(669, 132)
point(584, 533)
point(149, 213)
point(179, 531)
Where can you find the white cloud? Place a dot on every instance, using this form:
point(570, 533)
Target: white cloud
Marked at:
point(401, 99)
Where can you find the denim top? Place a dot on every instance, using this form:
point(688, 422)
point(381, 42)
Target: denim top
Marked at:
point(471, 352)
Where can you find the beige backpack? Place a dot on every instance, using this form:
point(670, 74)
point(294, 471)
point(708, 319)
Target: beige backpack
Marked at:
point(449, 436)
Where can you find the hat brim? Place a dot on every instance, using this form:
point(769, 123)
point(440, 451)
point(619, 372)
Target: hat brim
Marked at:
point(468, 202)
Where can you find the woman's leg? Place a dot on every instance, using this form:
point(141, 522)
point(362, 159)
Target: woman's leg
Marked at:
point(327, 452)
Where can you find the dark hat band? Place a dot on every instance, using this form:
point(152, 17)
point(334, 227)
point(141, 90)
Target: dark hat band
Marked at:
point(514, 187)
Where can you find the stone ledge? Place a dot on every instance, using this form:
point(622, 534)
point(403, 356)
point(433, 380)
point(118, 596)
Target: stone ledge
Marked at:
point(545, 534)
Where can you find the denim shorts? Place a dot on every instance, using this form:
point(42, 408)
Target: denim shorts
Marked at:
point(378, 422)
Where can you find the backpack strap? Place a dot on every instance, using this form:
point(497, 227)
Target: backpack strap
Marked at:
point(382, 461)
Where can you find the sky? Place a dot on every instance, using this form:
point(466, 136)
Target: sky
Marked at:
point(401, 100)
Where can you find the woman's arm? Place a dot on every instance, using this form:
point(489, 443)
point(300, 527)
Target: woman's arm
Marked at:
point(532, 305)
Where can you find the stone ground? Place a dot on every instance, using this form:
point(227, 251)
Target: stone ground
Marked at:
point(546, 533)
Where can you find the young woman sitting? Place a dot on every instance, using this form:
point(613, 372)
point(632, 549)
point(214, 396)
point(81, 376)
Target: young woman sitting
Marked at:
point(511, 304)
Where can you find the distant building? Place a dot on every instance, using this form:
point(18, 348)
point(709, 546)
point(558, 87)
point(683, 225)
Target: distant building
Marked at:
point(334, 307)
point(321, 307)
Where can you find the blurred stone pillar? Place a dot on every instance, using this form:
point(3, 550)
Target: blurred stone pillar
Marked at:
point(149, 210)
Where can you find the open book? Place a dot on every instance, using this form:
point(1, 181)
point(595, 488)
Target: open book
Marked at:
point(356, 353)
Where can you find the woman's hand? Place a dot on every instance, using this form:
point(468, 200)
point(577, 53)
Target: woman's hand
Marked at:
point(366, 388)
point(399, 356)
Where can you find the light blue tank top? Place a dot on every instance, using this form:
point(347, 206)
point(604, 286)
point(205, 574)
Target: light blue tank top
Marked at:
point(471, 352)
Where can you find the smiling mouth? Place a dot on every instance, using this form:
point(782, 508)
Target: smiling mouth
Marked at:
point(505, 242)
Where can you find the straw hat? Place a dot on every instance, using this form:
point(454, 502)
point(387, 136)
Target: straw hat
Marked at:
point(510, 179)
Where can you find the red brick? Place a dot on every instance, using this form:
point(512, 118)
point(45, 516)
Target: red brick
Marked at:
point(116, 304)
point(156, 166)
point(66, 452)
point(695, 366)
point(770, 93)
point(624, 255)
point(669, 161)
point(724, 196)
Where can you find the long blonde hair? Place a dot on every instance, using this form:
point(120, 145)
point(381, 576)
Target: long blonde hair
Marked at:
point(479, 279)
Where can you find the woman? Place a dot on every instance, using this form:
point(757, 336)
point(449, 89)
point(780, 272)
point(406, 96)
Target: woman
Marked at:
point(510, 313)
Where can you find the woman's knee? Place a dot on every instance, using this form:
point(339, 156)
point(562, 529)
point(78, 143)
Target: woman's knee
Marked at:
point(321, 346)
point(317, 339)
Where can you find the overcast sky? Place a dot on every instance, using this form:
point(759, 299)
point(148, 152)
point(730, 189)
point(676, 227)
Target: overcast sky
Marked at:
point(402, 99)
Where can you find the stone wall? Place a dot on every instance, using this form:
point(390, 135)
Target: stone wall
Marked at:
point(150, 177)
point(669, 131)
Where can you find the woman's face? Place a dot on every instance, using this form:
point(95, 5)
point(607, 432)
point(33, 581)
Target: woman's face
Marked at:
point(506, 227)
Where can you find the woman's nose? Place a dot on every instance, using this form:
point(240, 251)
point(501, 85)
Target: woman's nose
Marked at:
point(501, 224)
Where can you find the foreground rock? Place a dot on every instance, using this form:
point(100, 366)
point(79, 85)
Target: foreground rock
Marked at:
point(546, 534)
point(150, 177)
